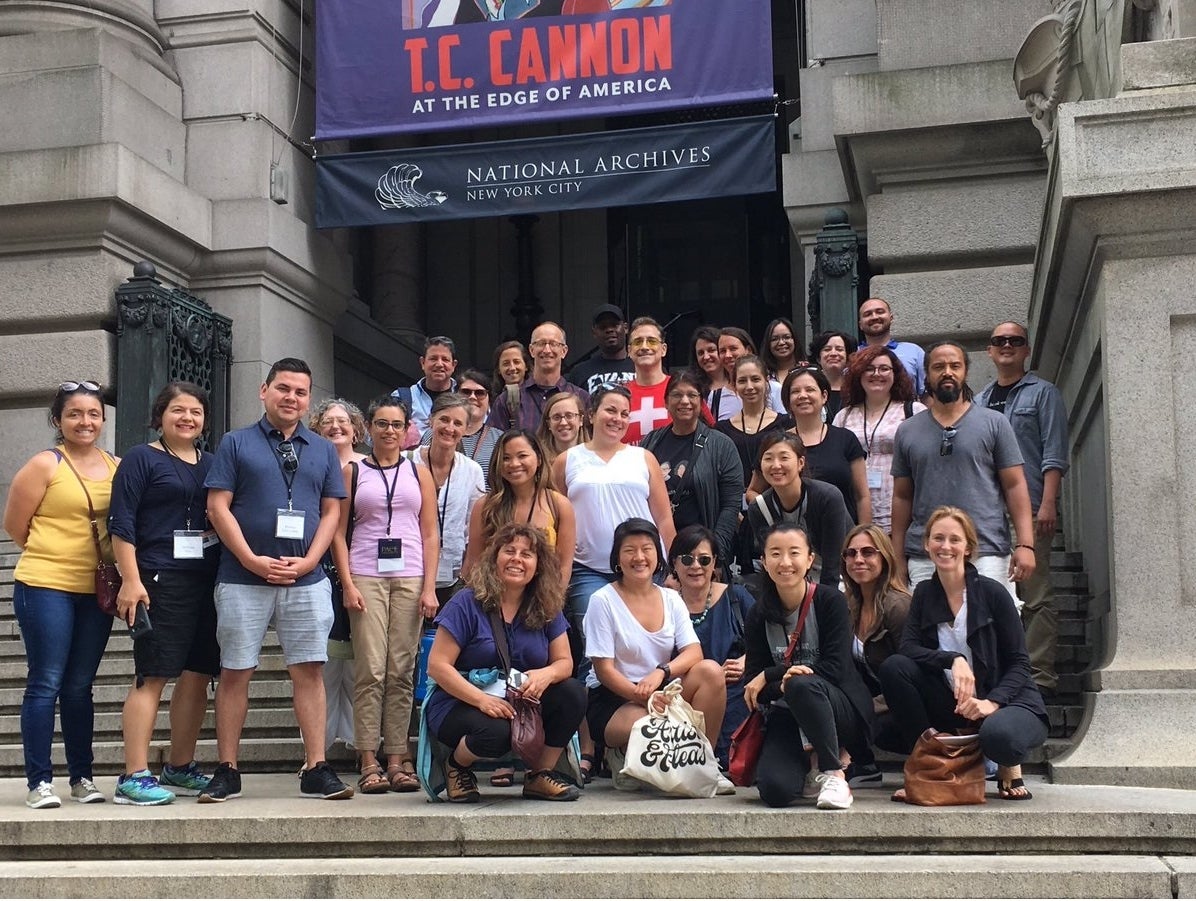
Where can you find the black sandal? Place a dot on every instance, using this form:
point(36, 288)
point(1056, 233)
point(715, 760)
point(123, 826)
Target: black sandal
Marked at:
point(587, 772)
point(1013, 790)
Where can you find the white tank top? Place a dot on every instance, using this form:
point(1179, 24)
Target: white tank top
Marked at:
point(603, 496)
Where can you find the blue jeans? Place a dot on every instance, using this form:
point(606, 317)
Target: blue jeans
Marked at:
point(582, 585)
point(65, 635)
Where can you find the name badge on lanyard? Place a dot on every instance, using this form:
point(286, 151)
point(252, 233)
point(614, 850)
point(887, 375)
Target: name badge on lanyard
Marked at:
point(188, 544)
point(874, 478)
point(289, 524)
point(390, 556)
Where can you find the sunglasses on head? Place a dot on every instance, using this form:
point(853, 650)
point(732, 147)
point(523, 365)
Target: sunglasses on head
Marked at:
point(286, 450)
point(691, 559)
point(1007, 341)
point(75, 386)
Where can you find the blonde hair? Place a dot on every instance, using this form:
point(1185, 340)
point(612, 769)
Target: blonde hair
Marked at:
point(965, 523)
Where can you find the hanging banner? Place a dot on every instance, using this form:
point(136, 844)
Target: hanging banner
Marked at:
point(392, 66)
point(541, 175)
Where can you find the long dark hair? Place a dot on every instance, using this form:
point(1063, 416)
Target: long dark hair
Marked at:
point(766, 355)
point(498, 506)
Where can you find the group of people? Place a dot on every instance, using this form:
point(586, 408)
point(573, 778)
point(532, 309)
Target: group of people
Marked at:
point(752, 526)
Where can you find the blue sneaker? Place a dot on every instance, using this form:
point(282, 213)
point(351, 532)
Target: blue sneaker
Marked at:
point(141, 789)
point(188, 780)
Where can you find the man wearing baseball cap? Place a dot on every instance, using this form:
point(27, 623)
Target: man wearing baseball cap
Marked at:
point(611, 363)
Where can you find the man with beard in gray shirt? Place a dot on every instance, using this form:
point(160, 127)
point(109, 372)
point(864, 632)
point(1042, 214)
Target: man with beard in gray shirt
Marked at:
point(961, 455)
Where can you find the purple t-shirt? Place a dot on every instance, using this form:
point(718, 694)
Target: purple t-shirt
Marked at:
point(464, 619)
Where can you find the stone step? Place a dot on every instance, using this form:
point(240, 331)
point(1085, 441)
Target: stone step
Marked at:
point(119, 669)
point(830, 876)
point(263, 722)
point(109, 696)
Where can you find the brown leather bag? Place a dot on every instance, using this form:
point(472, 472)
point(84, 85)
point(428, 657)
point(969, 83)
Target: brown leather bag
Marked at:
point(945, 770)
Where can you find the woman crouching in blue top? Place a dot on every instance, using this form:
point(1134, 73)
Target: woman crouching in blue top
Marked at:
point(519, 579)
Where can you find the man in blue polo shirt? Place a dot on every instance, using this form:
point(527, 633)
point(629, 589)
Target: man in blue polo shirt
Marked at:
point(273, 498)
point(876, 322)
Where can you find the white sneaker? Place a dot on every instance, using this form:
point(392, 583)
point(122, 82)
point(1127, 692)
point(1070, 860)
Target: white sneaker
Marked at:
point(813, 785)
point(725, 786)
point(835, 794)
point(85, 792)
point(42, 797)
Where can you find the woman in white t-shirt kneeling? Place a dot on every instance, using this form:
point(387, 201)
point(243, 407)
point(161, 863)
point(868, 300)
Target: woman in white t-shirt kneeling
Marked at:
point(639, 638)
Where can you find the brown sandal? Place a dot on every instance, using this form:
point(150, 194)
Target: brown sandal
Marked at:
point(402, 776)
point(372, 781)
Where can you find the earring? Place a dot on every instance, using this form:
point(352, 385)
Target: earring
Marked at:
point(618, 569)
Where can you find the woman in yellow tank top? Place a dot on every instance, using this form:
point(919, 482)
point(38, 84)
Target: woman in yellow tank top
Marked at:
point(63, 630)
point(520, 492)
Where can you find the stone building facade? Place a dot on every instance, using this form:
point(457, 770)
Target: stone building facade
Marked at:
point(176, 131)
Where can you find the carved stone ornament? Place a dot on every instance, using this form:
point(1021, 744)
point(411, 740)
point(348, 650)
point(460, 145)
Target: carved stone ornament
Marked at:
point(1042, 68)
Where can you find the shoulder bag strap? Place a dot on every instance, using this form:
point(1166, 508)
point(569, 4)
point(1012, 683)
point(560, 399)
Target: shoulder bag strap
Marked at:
point(801, 622)
point(499, 628)
point(764, 511)
point(514, 399)
point(687, 481)
point(91, 510)
point(908, 406)
point(353, 473)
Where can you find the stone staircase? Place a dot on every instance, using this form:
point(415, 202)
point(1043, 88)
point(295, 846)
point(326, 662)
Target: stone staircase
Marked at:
point(270, 742)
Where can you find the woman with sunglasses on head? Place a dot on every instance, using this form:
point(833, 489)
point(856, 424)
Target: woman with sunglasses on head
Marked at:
point(167, 554)
point(878, 605)
point(879, 396)
point(716, 385)
point(459, 482)
point(52, 501)
point(562, 426)
point(479, 439)
point(963, 664)
point(701, 466)
point(717, 612)
point(799, 667)
point(793, 497)
point(778, 349)
point(639, 637)
point(386, 550)
point(341, 422)
point(833, 454)
point(832, 352)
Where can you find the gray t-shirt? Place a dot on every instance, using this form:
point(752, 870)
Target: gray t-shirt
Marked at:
point(984, 444)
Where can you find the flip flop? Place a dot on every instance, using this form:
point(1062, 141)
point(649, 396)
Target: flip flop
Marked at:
point(503, 778)
point(1013, 790)
point(587, 772)
point(372, 782)
point(402, 776)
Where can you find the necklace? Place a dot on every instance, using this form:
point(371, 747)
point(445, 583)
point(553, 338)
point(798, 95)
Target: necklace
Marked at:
point(759, 422)
point(698, 618)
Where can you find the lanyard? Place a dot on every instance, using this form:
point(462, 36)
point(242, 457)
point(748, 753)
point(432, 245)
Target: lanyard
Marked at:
point(287, 478)
point(868, 441)
point(442, 507)
point(390, 488)
point(191, 474)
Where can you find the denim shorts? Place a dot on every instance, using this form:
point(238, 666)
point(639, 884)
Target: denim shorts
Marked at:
point(302, 617)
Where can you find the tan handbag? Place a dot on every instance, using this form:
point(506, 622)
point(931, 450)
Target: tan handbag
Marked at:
point(945, 770)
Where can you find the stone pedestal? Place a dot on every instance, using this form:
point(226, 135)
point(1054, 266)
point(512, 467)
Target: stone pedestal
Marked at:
point(1114, 316)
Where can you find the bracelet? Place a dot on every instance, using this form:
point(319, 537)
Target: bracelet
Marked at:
point(668, 673)
point(1028, 547)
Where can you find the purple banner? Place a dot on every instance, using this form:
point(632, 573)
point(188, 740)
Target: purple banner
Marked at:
point(391, 66)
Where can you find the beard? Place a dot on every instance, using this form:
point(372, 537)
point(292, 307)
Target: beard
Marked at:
point(947, 391)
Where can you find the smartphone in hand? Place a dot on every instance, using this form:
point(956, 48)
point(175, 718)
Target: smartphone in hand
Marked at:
point(141, 622)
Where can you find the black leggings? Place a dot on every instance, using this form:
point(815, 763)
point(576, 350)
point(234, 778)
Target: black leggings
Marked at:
point(562, 706)
point(829, 720)
point(920, 699)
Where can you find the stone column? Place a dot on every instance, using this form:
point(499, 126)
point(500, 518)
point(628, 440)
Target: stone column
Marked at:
point(1114, 316)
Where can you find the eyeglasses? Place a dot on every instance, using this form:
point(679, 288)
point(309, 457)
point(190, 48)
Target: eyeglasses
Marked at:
point(474, 392)
point(690, 396)
point(700, 559)
point(878, 370)
point(563, 417)
point(75, 386)
point(946, 446)
point(645, 341)
point(781, 339)
point(336, 420)
point(1007, 341)
point(290, 463)
point(383, 424)
point(866, 552)
point(545, 343)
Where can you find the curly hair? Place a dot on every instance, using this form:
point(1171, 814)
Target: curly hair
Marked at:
point(544, 596)
point(902, 389)
point(356, 420)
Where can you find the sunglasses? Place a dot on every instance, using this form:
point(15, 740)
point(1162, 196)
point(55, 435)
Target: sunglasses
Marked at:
point(286, 450)
point(645, 342)
point(691, 559)
point(474, 392)
point(1007, 341)
point(947, 446)
point(866, 552)
point(75, 386)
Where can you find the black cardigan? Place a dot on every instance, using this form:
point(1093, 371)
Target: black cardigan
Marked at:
point(834, 653)
point(1000, 661)
point(827, 522)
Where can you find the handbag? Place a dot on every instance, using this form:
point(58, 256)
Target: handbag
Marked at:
point(668, 748)
point(748, 740)
point(527, 729)
point(107, 576)
point(945, 770)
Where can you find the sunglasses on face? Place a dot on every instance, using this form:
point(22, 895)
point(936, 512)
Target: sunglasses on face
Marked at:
point(75, 386)
point(645, 342)
point(700, 559)
point(947, 445)
point(286, 450)
point(866, 552)
point(1007, 341)
point(474, 392)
